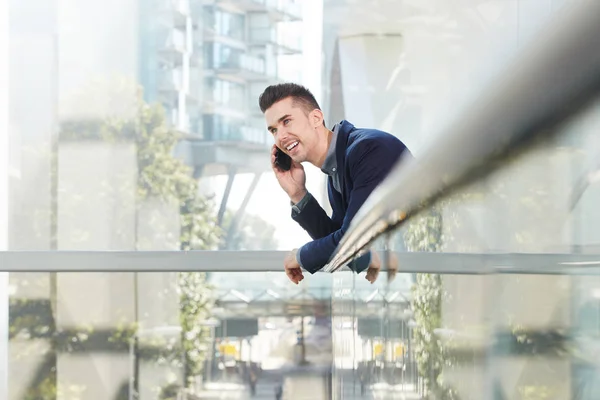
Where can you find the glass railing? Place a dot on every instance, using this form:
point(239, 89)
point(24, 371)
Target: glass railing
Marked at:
point(292, 8)
point(271, 35)
point(496, 334)
point(242, 62)
point(174, 40)
point(240, 133)
point(111, 333)
point(180, 6)
point(289, 7)
point(170, 80)
point(472, 327)
point(499, 229)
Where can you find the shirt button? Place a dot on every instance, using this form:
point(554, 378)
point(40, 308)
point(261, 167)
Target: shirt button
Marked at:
point(333, 169)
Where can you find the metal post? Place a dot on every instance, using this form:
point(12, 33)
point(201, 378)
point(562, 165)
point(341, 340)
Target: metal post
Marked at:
point(132, 368)
point(223, 206)
point(4, 196)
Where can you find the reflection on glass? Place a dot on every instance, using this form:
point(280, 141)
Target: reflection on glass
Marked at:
point(164, 335)
point(497, 334)
point(108, 151)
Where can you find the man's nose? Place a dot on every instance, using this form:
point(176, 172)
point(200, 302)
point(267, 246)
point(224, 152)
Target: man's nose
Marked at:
point(282, 137)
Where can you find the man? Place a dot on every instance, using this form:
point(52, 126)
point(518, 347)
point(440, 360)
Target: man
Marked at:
point(356, 160)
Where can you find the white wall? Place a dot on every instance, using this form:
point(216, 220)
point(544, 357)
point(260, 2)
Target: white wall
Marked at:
point(98, 41)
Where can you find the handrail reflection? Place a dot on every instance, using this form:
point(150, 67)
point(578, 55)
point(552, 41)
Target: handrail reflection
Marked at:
point(549, 79)
point(272, 261)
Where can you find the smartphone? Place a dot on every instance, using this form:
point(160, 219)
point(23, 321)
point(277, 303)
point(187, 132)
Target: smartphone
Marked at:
point(282, 160)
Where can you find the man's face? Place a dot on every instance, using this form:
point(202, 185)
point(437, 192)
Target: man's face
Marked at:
point(292, 129)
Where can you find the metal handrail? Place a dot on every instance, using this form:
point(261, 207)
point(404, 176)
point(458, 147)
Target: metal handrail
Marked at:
point(551, 77)
point(266, 261)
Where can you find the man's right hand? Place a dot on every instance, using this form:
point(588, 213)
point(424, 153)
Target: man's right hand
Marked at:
point(293, 182)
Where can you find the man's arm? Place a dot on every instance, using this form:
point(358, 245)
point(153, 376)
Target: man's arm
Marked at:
point(369, 163)
point(311, 216)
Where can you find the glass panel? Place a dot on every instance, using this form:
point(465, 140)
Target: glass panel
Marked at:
point(99, 151)
point(495, 336)
point(498, 335)
point(111, 335)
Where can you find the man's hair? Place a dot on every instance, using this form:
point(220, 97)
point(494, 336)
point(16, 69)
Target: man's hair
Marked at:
point(301, 96)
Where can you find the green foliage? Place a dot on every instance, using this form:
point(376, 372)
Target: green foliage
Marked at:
point(424, 234)
point(196, 301)
point(535, 393)
point(162, 177)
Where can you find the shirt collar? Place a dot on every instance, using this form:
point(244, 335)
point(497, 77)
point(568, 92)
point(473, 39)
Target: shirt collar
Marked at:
point(330, 165)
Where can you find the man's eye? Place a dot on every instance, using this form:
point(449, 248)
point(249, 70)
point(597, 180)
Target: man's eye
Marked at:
point(285, 122)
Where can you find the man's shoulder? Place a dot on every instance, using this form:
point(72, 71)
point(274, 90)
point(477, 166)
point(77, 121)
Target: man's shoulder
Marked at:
point(360, 139)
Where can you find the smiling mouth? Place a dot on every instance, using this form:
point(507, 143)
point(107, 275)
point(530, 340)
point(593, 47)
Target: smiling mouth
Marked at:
point(291, 146)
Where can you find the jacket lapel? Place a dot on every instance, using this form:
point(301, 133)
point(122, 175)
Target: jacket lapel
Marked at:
point(341, 147)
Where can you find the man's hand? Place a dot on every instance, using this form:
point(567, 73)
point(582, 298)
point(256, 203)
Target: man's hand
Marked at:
point(292, 268)
point(375, 267)
point(293, 182)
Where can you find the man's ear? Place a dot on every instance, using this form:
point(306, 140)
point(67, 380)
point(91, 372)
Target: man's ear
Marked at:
point(316, 117)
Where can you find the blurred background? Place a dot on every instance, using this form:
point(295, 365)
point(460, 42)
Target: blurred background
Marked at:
point(134, 126)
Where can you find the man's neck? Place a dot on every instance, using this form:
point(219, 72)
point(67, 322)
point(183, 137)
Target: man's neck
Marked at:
point(321, 153)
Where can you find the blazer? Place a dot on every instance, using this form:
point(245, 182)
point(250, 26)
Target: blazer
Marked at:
point(364, 159)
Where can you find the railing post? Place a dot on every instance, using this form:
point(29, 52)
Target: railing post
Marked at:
point(4, 168)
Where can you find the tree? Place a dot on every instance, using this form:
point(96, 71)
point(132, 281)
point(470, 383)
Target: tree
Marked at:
point(161, 175)
point(424, 234)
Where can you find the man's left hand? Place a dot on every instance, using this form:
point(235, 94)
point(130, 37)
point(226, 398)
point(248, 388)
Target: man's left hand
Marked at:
point(374, 267)
point(293, 270)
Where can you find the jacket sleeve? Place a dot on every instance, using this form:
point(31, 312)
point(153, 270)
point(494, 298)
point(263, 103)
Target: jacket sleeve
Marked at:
point(369, 163)
point(314, 219)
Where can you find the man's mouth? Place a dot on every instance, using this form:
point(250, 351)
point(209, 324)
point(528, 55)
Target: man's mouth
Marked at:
point(292, 145)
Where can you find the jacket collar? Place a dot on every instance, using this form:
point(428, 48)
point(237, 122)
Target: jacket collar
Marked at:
point(343, 132)
point(330, 165)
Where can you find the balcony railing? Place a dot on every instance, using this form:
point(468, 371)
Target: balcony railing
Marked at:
point(280, 9)
point(174, 41)
point(170, 81)
point(248, 66)
point(286, 43)
point(239, 133)
point(177, 11)
point(493, 129)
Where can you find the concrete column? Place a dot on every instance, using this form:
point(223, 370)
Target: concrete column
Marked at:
point(377, 94)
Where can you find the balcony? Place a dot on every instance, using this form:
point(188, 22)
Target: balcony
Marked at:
point(175, 12)
point(278, 10)
point(172, 46)
point(284, 44)
point(119, 311)
point(170, 81)
point(243, 134)
point(243, 66)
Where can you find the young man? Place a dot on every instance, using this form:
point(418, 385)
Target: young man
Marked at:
point(356, 160)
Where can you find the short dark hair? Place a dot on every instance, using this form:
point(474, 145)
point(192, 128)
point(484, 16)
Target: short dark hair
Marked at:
point(301, 96)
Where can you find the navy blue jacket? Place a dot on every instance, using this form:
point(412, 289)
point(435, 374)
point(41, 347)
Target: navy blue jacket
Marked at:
point(364, 158)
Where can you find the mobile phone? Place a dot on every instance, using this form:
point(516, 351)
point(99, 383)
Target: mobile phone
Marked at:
point(282, 160)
